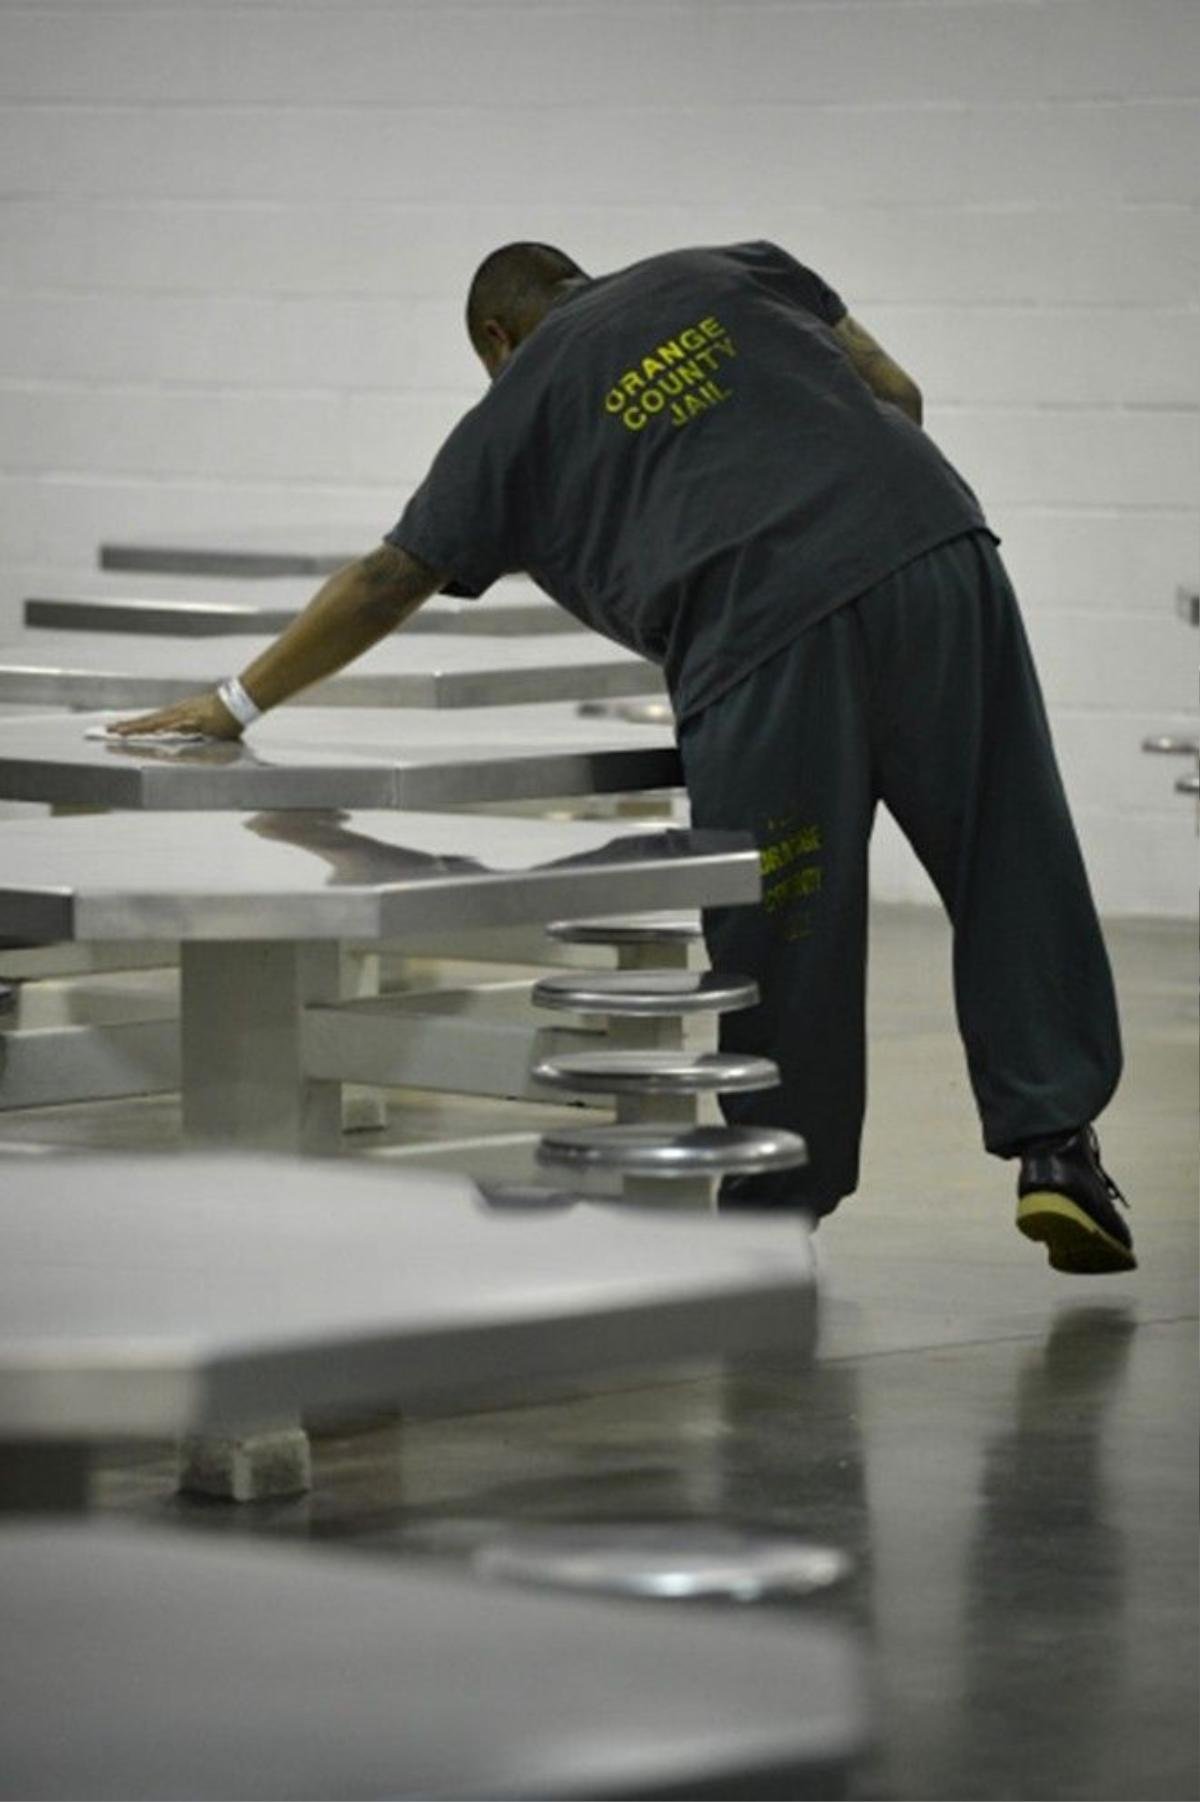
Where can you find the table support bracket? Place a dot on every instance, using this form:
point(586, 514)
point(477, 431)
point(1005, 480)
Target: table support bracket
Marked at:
point(255, 1466)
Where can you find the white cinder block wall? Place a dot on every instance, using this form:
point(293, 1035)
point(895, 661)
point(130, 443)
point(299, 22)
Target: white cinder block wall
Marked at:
point(236, 239)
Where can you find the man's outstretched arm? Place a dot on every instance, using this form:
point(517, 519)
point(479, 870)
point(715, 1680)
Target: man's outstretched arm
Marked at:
point(353, 610)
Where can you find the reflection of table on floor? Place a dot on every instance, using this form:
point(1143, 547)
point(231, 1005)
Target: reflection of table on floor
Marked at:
point(152, 1665)
point(206, 607)
point(97, 670)
point(159, 1297)
point(321, 757)
point(260, 903)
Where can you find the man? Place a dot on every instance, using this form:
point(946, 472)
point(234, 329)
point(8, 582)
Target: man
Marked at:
point(706, 458)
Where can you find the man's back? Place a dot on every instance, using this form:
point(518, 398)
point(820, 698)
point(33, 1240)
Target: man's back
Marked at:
point(685, 457)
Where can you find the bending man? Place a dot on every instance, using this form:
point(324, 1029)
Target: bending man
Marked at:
point(706, 458)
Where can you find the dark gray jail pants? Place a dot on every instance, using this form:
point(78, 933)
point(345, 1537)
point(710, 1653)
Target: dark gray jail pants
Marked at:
point(922, 694)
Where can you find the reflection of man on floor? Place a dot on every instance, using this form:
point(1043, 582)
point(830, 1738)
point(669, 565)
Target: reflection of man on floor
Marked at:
point(706, 458)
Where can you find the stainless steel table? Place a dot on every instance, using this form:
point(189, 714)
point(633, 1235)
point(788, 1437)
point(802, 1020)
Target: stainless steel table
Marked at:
point(321, 757)
point(207, 607)
point(161, 1665)
point(309, 759)
point(159, 1296)
point(243, 551)
point(261, 902)
point(102, 670)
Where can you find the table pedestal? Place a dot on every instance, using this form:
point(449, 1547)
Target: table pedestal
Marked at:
point(244, 1086)
point(243, 1080)
point(363, 1109)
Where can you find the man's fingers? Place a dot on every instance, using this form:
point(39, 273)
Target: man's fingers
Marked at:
point(128, 725)
point(203, 714)
point(170, 719)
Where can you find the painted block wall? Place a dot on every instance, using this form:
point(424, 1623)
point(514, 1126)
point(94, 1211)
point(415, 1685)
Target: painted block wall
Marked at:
point(235, 240)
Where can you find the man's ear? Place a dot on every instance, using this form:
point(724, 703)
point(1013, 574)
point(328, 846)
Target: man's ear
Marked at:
point(495, 346)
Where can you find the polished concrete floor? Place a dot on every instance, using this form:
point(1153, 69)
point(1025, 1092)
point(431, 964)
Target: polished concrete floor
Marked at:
point(1008, 1454)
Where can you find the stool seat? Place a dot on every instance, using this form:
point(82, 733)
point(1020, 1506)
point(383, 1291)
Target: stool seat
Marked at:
point(663, 1151)
point(1172, 745)
point(671, 1560)
point(645, 992)
point(644, 712)
point(656, 1072)
point(628, 929)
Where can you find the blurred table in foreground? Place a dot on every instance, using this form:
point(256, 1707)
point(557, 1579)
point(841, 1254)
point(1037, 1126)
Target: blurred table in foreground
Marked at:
point(147, 1665)
point(161, 1296)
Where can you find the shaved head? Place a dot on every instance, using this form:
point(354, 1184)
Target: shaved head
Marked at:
point(514, 286)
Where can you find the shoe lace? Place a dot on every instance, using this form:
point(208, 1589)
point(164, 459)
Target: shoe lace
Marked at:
point(1113, 1191)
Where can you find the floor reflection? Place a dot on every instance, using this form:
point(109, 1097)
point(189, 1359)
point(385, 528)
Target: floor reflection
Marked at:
point(1046, 1578)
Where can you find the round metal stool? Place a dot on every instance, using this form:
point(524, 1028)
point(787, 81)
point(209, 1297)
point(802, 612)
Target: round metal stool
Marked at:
point(646, 712)
point(1172, 746)
point(646, 1008)
point(645, 994)
point(628, 929)
point(657, 1087)
point(666, 1166)
point(649, 1011)
point(655, 1072)
point(662, 1560)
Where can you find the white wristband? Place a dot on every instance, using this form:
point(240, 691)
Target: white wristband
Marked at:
point(232, 695)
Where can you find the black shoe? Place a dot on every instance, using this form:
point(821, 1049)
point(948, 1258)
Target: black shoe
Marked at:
point(1065, 1201)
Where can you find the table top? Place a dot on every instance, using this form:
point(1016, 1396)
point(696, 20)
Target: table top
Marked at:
point(204, 607)
point(323, 757)
point(153, 1295)
point(257, 551)
point(141, 1663)
point(103, 670)
point(336, 874)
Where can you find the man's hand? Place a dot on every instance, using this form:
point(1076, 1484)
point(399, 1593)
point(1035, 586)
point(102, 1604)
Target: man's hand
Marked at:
point(202, 713)
point(349, 613)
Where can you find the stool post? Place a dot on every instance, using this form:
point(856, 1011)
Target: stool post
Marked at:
point(657, 1109)
point(696, 1193)
point(630, 1032)
point(665, 955)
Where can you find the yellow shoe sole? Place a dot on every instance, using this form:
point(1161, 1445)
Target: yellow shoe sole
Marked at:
point(1072, 1238)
